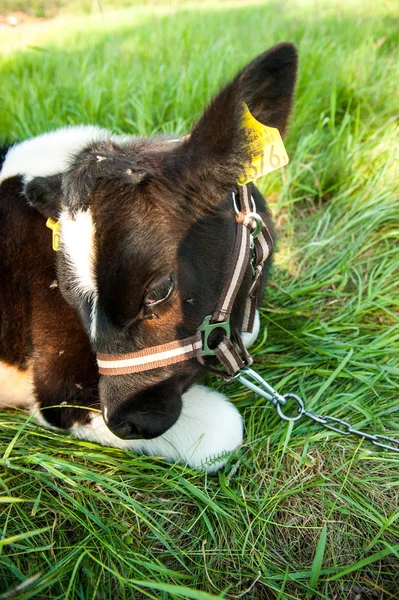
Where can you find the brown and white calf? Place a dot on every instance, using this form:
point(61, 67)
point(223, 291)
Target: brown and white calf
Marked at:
point(146, 240)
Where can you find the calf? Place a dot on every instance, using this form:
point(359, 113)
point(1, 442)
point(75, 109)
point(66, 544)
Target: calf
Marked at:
point(147, 231)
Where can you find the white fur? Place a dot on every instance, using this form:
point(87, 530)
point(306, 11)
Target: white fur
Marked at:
point(16, 386)
point(51, 152)
point(249, 338)
point(78, 245)
point(209, 427)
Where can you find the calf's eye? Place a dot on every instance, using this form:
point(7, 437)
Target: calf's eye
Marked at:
point(160, 292)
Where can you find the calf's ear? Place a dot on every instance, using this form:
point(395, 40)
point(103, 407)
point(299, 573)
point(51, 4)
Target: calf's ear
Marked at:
point(216, 147)
point(44, 194)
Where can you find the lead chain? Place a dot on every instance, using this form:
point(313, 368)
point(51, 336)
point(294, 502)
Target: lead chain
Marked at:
point(253, 381)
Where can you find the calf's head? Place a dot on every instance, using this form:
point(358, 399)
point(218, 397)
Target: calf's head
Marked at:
point(147, 233)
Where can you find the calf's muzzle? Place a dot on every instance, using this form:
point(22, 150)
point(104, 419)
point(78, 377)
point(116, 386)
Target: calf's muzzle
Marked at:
point(145, 414)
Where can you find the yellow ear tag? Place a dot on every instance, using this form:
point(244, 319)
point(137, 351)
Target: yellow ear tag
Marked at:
point(56, 229)
point(265, 148)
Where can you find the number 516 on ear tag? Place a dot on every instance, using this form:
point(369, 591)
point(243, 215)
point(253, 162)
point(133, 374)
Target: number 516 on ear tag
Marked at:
point(265, 149)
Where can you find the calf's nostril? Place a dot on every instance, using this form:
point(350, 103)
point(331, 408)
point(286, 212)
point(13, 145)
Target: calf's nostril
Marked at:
point(125, 431)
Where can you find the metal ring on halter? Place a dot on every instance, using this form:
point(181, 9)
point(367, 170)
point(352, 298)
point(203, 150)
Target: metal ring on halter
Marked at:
point(301, 408)
point(233, 195)
point(257, 219)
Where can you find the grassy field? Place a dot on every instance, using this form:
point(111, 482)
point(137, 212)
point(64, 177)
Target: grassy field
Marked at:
point(298, 511)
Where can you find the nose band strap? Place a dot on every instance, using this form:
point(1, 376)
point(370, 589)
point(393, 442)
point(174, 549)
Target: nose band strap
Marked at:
point(150, 358)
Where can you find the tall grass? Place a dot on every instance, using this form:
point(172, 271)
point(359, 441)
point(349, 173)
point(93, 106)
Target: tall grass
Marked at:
point(298, 511)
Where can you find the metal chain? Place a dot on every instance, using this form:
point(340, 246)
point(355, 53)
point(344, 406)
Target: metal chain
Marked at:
point(252, 380)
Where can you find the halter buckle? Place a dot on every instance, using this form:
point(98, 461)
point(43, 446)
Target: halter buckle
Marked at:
point(206, 329)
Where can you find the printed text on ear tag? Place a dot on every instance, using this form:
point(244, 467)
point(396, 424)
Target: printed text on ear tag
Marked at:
point(265, 149)
point(56, 229)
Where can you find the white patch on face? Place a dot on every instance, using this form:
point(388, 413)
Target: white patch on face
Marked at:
point(78, 246)
point(51, 153)
point(249, 338)
point(209, 427)
point(16, 386)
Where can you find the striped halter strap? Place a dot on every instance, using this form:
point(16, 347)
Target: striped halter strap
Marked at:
point(253, 246)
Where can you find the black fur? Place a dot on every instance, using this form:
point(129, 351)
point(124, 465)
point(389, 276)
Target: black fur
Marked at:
point(3, 152)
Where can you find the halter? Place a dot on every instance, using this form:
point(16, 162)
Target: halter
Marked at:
point(253, 245)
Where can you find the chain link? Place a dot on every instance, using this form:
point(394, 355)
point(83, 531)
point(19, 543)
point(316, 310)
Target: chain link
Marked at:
point(279, 401)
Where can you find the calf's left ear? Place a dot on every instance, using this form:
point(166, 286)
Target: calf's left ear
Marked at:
point(44, 194)
point(217, 150)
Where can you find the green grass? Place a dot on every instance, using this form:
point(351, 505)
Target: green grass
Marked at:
point(297, 509)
